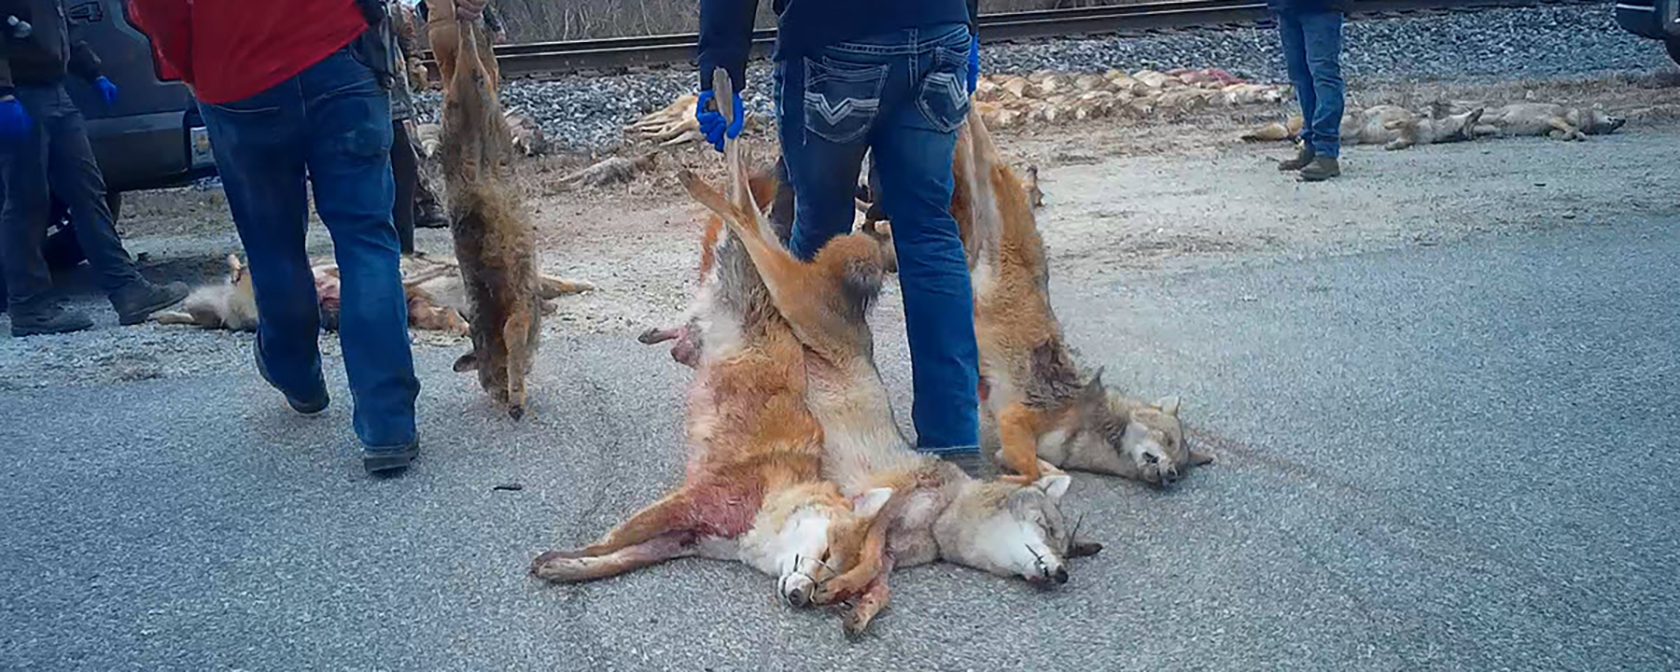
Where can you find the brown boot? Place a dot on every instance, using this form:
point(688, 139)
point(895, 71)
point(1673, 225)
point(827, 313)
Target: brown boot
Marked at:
point(1303, 156)
point(1322, 168)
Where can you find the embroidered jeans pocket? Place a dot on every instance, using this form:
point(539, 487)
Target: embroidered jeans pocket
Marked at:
point(842, 99)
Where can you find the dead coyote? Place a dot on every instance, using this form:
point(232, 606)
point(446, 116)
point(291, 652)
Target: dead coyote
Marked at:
point(1391, 126)
point(230, 305)
point(492, 238)
point(1035, 402)
point(1548, 119)
point(753, 490)
point(936, 511)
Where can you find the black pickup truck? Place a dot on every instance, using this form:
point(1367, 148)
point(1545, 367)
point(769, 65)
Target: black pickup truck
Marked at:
point(1655, 19)
point(152, 138)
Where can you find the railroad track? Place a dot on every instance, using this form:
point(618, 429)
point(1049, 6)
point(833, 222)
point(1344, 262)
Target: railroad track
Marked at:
point(538, 59)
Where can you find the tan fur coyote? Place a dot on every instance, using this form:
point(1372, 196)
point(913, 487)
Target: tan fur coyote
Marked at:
point(230, 305)
point(1036, 402)
point(1558, 122)
point(493, 240)
point(936, 511)
point(753, 490)
point(1391, 126)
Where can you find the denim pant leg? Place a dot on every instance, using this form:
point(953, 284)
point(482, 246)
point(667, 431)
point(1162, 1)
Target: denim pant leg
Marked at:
point(348, 151)
point(23, 221)
point(258, 143)
point(913, 143)
point(75, 177)
point(1322, 37)
point(1295, 57)
point(823, 121)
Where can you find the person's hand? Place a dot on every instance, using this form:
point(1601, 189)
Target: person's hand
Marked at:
point(469, 10)
point(974, 65)
point(107, 90)
point(14, 120)
point(711, 121)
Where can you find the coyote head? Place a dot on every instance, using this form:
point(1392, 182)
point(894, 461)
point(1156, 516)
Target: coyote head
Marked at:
point(805, 535)
point(1596, 121)
point(1116, 435)
point(1010, 529)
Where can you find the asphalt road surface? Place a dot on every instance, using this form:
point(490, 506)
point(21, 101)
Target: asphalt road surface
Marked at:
point(1459, 457)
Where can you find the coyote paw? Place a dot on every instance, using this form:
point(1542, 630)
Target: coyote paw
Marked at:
point(547, 565)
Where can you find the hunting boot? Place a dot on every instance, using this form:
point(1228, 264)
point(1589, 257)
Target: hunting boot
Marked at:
point(1322, 168)
point(430, 216)
point(1303, 156)
point(141, 298)
point(46, 318)
point(301, 406)
point(974, 464)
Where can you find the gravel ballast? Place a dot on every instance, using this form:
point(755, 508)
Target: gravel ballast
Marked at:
point(586, 113)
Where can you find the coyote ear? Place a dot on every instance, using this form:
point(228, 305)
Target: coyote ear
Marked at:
point(1054, 485)
point(870, 503)
point(467, 362)
point(1094, 389)
point(1168, 405)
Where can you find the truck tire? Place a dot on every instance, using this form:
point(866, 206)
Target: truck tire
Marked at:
point(1674, 50)
point(62, 250)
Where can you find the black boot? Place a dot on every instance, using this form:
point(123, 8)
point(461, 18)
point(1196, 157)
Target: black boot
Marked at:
point(1322, 168)
point(140, 299)
point(47, 318)
point(1303, 156)
point(430, 216)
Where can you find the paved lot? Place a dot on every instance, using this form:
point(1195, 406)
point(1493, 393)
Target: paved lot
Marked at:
point(1459, 457)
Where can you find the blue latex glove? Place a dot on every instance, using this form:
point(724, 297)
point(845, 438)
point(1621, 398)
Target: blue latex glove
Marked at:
point(14, 120)
point(974, 65)
point(711, 122)
point(107, 90)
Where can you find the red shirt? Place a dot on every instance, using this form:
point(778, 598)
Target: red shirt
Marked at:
point(229, 50)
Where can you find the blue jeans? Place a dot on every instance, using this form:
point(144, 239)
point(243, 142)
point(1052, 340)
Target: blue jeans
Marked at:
point(55, 158)
point(901, 95)
point(332, 123)
point(1312, 46)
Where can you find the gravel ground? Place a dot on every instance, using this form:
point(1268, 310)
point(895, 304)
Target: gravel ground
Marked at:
point(586, 113)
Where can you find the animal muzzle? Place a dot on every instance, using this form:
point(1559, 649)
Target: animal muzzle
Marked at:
point(1046, 570)
point(796, 590)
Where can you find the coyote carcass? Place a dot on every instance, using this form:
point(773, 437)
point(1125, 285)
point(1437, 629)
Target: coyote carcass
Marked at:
point(936, 511)
point(1558, 122)
point(1036, 403)
point(493, 240)
point(230, 305)
point(753, 490)
point(1391, 126)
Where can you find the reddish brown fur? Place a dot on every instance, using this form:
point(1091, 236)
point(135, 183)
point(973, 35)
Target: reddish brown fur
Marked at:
point(493, 241)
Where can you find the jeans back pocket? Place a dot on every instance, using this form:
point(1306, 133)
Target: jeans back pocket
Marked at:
point(842, 99)
point(943, 93)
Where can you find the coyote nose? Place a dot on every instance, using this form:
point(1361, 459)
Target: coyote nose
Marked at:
point(1061, 575)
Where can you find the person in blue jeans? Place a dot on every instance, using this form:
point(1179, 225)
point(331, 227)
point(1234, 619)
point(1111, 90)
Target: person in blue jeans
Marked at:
point(1311, 33)
point(331, 125)
point(892, 78)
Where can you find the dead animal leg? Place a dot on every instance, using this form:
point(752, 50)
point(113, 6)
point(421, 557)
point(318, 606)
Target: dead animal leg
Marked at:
point(869, 604)
point(551, 288)
point(516, 332)
point(558, 567)
point(659, 518)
